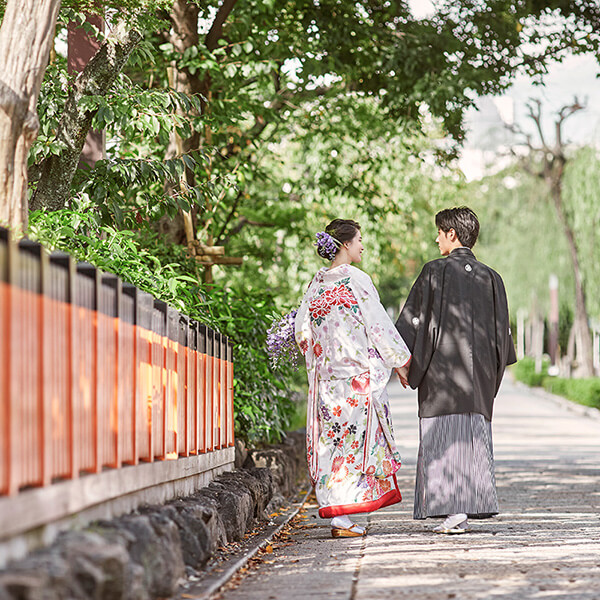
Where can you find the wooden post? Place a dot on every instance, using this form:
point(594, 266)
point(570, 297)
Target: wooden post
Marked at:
point(521, 314)
point(5, 320)
point(81, 48)
point(553, 324)
point(597, 350)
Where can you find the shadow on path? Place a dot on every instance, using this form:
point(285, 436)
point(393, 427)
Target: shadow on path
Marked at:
point(544, 544)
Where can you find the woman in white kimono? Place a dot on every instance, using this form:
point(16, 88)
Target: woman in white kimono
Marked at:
point(350, 346)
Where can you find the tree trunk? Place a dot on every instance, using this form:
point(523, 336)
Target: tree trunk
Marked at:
point(581, 315)
point(96, 79)
point(26, 37)
point(184, 35)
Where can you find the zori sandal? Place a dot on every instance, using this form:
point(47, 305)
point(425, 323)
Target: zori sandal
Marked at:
point(346, 532)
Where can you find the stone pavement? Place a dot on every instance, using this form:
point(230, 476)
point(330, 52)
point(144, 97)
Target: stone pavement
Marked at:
point(545, 544)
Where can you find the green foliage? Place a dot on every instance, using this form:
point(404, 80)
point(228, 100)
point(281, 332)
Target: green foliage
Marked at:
point(582, 391)
point(335, 168)
point(524, 370)
point(522, 239)
point(301, 112)
point(51, 104)
point(581, 196)
point(128, 190)
point(140, 13)
point(264, 405)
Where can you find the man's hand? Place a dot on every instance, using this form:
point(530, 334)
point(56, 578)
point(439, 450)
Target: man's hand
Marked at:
point(402, 373)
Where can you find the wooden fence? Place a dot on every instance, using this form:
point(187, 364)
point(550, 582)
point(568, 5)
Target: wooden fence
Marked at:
point(96, 374)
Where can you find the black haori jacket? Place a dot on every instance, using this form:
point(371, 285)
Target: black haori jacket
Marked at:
point(455, 323)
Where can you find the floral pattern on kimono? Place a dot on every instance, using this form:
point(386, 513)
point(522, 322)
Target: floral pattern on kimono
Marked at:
point(350, 346)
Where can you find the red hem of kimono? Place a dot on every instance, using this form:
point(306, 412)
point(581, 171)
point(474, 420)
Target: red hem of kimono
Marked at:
point(392, 497)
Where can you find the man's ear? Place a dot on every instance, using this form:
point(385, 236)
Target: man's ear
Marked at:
point(452, 235)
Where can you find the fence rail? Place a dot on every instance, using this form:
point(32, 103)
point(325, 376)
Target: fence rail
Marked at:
point(96, 374)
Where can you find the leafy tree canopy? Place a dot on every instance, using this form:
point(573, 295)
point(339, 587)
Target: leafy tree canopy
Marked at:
point(261, 120)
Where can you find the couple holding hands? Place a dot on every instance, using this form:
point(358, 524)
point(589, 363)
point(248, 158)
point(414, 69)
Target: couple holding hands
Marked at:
point(452, 341)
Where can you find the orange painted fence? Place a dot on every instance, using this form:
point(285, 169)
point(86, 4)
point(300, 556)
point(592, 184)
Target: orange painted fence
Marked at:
point(96, 374)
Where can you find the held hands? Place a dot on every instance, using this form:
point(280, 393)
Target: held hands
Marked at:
point(402, 373)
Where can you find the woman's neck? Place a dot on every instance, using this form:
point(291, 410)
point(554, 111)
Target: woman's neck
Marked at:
point(340, 260)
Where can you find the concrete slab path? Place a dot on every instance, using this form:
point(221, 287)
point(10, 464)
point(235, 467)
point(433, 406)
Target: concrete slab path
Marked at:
point(545, 544)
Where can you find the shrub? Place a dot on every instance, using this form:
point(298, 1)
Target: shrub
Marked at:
point(264, 405)
point(524, 370)
point(582, 391)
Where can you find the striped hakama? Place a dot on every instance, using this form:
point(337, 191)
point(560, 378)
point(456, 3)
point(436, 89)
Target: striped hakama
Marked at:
point(455, 467)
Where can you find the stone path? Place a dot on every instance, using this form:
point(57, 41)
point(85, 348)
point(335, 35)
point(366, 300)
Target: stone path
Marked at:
point(545, 544)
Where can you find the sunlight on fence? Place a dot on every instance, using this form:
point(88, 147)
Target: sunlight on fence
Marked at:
point(96, 374)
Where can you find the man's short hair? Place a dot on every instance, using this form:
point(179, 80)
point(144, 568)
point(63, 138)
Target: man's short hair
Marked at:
point(463, 220)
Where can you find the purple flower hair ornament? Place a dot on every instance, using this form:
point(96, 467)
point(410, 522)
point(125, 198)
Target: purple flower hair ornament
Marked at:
point(281, 341)
point(327, 245)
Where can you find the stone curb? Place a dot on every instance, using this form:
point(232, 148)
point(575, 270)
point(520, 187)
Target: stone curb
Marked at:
point(579, 409)
point(212, 584)
point(148, 553)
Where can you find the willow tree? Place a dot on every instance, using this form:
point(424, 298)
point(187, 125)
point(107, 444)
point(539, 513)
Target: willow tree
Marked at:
point(546, 160)
point(26, 37)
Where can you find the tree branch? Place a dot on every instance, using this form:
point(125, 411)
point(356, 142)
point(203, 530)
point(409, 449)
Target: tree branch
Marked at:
point(229, 217)
point(563, 114)
point(535, 114)
point(96, 79)
point(215, 32)
point(242, 222)
point(282, 98)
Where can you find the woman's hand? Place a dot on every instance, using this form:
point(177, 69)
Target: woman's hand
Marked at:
point(402, 373)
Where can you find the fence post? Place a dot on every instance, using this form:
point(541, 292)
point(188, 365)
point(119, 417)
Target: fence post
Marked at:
point(224, 424)
point(144, 345)
point(215, 391)
point(128, 374)
point(27, 350)
point(86, 373)
point(108, 369)
point(172, 381)
point(201, 366)
point(8, 481)
point(231, 419)
point(159, 370)
point(48, 335)
point(208, 398)
point(62, 268)
point(183, 414)
point(192, 385)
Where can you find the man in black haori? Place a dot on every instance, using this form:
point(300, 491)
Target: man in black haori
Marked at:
point(455, 323)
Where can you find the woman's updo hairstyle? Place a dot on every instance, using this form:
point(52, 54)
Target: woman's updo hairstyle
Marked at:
point(338, 232)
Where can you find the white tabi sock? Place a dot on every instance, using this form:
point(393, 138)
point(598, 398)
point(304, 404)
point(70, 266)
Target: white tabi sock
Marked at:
point(342, 521)
point(454, 521)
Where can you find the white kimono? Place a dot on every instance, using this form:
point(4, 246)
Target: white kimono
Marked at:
point(351, 346)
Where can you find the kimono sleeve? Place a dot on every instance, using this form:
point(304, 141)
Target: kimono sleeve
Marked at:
point(505, 347)
point(380, 328)
point(302, 328)
point(417, 324)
